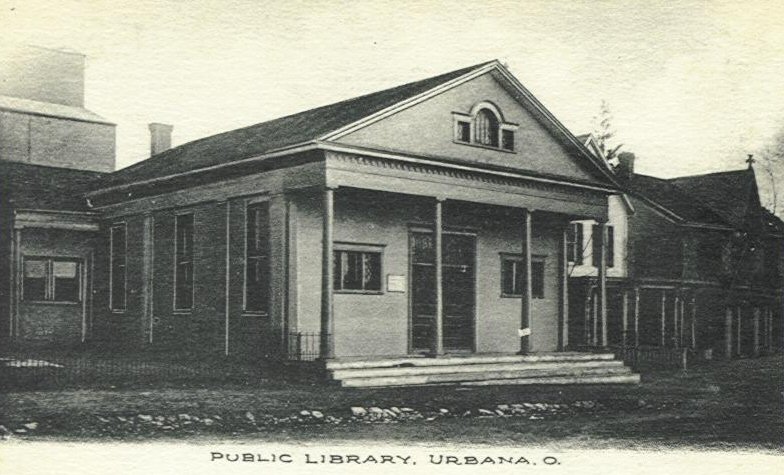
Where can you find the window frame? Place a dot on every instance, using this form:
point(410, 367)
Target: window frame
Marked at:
point(364, 249)
point(176, 263)
point(50, 285)
point(470, 118)
point(112, 277)
point(610, 256)
point(251, 203)
point(575, 237)
point(517, 259)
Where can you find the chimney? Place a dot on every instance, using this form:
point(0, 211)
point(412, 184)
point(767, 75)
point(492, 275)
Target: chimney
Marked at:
point(625, 168)
point(160, 137)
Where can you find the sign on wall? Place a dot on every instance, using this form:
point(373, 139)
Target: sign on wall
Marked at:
point(396, 283)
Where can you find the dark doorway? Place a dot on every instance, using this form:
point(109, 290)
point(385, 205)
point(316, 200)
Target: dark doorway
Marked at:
point(458, 289)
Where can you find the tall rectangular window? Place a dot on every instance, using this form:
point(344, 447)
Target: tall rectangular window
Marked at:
point(574, 243)
point(512, 277)
point(117, 271)
point(50, 279)
point(597, 245)
point(183, 252)
point(257, 258)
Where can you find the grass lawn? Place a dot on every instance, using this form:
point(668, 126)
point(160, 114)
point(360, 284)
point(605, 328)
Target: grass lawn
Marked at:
point(737, 404)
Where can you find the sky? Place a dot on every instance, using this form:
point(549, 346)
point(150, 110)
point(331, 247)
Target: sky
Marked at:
point(693, 86)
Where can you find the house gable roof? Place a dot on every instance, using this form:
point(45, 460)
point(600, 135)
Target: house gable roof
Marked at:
point(727, 199)
point(731, 194)
point(275, 134)
point(312, 126)
point(678, 203)
point(39, 187)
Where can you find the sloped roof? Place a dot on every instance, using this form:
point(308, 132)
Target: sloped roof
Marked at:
point(675, 199)
point(275, 134)
point(49, 109)
point(40, 187)
point(727, 193)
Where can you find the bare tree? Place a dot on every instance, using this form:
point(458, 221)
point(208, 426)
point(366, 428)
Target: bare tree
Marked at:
point(771, 173)
point(604, 131)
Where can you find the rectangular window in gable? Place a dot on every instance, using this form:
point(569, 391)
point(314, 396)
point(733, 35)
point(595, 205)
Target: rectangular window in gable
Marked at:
point(463, 132)
point(507, 140)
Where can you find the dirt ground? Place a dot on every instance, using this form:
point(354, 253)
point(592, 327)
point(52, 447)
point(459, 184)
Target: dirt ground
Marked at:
point(737, 404)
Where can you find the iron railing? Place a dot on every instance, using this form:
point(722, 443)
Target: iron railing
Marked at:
point(303, 346)
point(654, 357)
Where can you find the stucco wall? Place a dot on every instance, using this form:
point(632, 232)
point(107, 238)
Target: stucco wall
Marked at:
point(379, 324)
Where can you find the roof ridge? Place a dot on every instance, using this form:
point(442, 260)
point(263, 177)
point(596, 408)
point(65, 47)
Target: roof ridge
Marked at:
point(699, 202)
point(700, 175)
point(317, 108)
point(53, 167)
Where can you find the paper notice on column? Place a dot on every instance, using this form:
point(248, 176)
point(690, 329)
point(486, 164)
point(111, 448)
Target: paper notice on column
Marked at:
point(524, 332)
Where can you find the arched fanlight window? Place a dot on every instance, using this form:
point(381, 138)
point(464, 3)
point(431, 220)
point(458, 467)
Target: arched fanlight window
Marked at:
point(486, 128)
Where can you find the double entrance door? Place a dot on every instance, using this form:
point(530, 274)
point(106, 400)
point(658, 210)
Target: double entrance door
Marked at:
point(458, 290)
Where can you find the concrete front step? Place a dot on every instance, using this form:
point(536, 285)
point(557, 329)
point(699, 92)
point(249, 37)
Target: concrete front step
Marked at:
point(534, 375)
point(420, 361)
point(631, 378)
point(552, 366)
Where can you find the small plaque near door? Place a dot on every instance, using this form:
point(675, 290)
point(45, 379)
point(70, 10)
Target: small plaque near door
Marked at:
point(396, 283)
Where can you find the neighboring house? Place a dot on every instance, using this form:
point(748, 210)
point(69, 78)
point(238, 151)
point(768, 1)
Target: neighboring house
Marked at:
point(584, 254)
point(705, 264)
point(51, 149)
point(430, 218)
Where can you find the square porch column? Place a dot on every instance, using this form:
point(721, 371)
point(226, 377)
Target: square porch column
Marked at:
point(437, 344)
point(603, 283)
point(326, 337)
point(527, 290)
point(563, 314)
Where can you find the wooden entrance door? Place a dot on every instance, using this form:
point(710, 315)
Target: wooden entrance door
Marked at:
point(459, 290)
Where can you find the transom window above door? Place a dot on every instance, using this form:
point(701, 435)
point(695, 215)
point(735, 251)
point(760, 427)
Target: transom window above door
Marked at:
point(484, 126)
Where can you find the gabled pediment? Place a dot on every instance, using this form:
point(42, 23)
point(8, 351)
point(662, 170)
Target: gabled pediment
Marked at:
point(486, 119)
